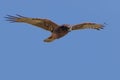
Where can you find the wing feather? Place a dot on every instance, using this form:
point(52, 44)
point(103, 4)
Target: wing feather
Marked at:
point(87, 25)
point(42, 23)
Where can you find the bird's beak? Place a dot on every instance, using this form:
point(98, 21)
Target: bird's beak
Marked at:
point(70, 29)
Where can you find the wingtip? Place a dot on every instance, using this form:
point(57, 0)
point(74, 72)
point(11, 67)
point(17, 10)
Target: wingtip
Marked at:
point(104, 24)
point(19, 15)
point(11, 18)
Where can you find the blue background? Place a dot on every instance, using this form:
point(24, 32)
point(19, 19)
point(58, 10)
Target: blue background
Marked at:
point(80, 55)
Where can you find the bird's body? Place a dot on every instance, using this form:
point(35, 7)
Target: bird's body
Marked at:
point(57, 31)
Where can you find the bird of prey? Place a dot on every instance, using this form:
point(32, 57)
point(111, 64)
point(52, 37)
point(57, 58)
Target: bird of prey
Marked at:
point(57, 31)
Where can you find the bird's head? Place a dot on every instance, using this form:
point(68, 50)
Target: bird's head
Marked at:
point(65, 27)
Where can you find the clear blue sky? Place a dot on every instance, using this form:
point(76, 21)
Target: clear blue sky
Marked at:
point(80, 55)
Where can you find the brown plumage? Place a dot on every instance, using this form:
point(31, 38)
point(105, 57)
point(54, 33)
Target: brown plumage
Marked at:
point(57, 31)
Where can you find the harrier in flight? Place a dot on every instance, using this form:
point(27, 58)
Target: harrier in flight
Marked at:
point(57, 31)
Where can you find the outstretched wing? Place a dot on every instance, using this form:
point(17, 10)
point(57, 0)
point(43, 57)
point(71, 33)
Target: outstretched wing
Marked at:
point(87, 25)
point(42, 23)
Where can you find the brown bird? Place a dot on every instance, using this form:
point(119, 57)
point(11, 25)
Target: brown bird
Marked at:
point(57, 31)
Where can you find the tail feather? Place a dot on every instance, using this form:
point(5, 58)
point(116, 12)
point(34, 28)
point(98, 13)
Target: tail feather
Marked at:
point(49, 39)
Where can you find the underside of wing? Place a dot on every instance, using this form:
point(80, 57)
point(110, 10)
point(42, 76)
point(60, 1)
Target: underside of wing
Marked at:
point(87, 25)
point(42, 23)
